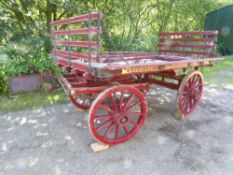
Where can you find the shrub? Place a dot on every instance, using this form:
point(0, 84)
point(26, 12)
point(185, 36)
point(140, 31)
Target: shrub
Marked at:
point(35, 62)
point(24, 57)
point(223, 46)
point(3, 80)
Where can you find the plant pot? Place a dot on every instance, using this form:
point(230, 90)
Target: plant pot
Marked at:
point(24, 83)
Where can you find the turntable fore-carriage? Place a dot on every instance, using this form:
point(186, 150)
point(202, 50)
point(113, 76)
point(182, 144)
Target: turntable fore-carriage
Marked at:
point(113, 85)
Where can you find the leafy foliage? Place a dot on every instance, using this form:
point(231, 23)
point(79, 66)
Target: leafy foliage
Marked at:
point(127, 24)
point(21, 58)
point(3, 81)
point(32, 63)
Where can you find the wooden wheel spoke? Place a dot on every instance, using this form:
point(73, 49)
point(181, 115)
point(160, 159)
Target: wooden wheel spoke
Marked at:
point(129, 100)
point(125, 129)
point(189, 83)
point(132, 122)
point(116, 131)
point(107, 132)
point(121, 99)
point(106, 108)
point(197, 82)
point(186, 106)
point(103, 117)
point(190, 102)
point(103, 125)
point(186, 88)
point(133, 114)
point(195, 98)
point(183, 96)
point(185, 92)
point(133, 105)
point(199, 85)
point(192, 80)
point(113, 102)
point(184, 101)
point(197, 92)
point(86, 101)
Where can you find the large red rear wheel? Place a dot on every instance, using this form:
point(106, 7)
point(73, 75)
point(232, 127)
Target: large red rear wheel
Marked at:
point(117, 114)
point(190, 92)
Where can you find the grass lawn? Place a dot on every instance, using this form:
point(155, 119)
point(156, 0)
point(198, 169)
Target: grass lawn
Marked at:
point(31, 100)
point(224, 67)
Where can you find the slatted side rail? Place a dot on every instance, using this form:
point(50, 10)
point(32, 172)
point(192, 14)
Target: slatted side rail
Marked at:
point(192, 44)
point(76, 38)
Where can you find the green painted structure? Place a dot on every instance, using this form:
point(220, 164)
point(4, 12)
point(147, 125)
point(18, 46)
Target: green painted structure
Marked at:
point(222, 20)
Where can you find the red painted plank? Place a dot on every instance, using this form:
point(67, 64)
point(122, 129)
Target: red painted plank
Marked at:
point(188, 52)
point(188, 39)
point(83, 31)
point(189, 33)
point(187, 46)
point(62, 61)
point(93, 44)
point(80, 66)
point(72, 55)
point(120, 53)
point(76, 19)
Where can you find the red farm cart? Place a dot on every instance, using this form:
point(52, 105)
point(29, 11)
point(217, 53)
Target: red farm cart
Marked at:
point(112, 85)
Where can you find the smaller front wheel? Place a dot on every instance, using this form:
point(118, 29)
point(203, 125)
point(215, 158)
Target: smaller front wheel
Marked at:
point(189, 92)
point(117, 114)
point(82, 101)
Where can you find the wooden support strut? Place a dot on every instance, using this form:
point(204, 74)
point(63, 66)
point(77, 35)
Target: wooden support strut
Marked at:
point(70, 85)
point(163, 80)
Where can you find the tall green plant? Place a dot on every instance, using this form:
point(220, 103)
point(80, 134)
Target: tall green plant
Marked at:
point(3, 80)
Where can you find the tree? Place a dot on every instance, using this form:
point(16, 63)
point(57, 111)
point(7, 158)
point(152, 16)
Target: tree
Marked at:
point(128, 24)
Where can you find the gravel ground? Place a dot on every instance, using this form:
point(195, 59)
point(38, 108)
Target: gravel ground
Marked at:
point(55, 140)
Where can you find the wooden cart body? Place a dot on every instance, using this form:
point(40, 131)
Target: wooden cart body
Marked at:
point(112, 85)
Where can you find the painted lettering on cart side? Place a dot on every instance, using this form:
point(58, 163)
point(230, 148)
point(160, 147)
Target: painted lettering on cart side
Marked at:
point(139, 69)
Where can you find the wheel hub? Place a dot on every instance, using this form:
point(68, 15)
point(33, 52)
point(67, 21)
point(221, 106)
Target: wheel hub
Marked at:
point(123, 120)
point(120, 119)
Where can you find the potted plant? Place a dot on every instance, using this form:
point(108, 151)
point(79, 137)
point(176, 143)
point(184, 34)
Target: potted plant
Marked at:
point(28, 72)
point(22, 77)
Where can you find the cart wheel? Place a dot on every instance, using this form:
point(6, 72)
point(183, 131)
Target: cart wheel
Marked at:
point(190, 92)
point(117, 114)
point(82, 101)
